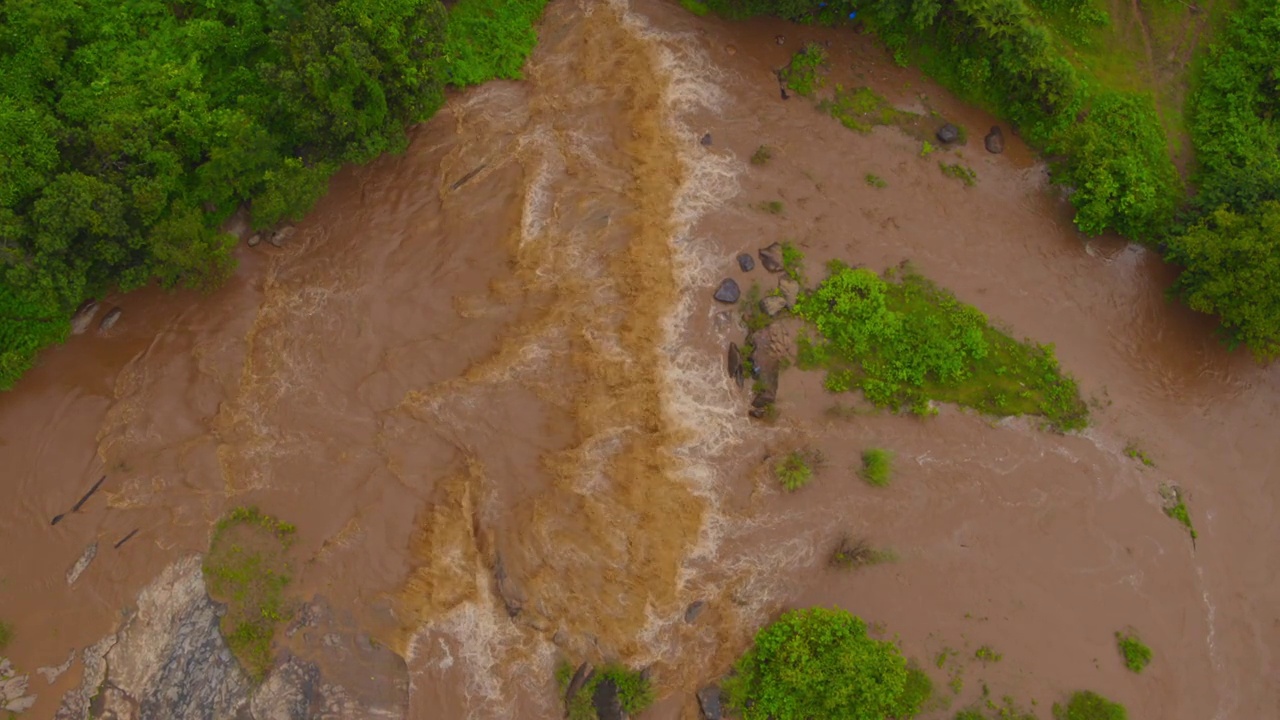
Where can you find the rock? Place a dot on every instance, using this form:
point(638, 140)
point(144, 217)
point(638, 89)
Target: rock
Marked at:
point(110, 319)
point(728, 291)
point(772, 305)
point(281, 236)
point(560, 639)
point(781, 40)
point(771, 257)
point(790, 290)
point(695, 609)
point(764, 398)
point(948, 133)
point(13, 688)
point(994, 141)
point(21, 704)
point(709, 702)
point(254, 239)
point(606, 701)
point(511, 595)
point(735, 364)
point(706, 140)
point(83, 318)
point(746, 263)
point(785, 96)
point(580, 677)
point(293, 691)
point(83, 563)
point(53, 673)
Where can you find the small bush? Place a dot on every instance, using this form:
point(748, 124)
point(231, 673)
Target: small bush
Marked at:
point(1136, 655)
point(804, 73)
point(926, 149)
point(1175, 506)
point(986, 653)
point(876, 181)
point(762, 155)
point(819, 663)
point(796, 469)
point(773, 207)
point(1137, 453)
point(634, 690)
point(792, 260)
point(877, 466)
point(1087, 705)
point(6, 634)
point(963, 173)
point(858, 553)
point(862, 109)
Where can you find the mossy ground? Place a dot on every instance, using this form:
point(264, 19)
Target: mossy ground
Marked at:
point(247, 569)
point(906, 343)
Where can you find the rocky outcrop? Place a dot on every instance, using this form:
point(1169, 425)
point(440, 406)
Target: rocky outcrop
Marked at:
point(790, 291)
point(735, 364)
point(76, 570)
point(772, 305)
point(606, 700)
point(728, 291)
point(83, 317)
point(771, 257)
point(746, 263)
point(994, 141)
point(948, 134)
point(13, 689)
point(709, 703)
point(706, 140)
point(169, 660)
point(110, 319)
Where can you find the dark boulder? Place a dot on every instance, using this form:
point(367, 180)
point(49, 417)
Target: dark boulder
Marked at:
point(728, 291)
point(606, 700)
point(695, 609)
point(746, 263)
point(512, 597)
point(735, 364)
point(994, 141)
point(706, 140)
point(110, 319)
point(709, 701)
point(948, 133)
point(771, 257)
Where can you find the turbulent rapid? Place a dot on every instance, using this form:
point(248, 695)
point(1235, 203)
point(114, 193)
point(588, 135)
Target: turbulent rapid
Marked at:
point(486, 381)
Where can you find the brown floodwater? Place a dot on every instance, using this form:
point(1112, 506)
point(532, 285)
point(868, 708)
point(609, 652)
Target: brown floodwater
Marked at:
point(497, 355)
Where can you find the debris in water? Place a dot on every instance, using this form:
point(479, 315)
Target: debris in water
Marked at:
point(126, 538)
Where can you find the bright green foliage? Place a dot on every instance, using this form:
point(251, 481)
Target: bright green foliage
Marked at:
point(792, 260)
point(634, 691)
point(1232, 268)
point(803, 73)
point(1087, 705)
point(877, 466)
point(819, 663)
point(796, 469)
point(908, 342)
point(490, 39)
point(1119, 166)
point(29, 320)
point(1178, 511)
point(1136, 655)
point(246, 568)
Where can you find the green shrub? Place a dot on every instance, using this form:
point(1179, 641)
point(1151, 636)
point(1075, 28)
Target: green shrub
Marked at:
point(762, 155)
point(905, 343)
point(634, 691)
point(804, 73)
point(877, 466)
point(876, 181)
point(862, 109)
point(819, 663)
point(490, 39)
point(963, 173)
point(1180, 513)
point(986, 653)
point(246, 569)
point(796, 469)
point(695, 7)
point(853, 553)
point(1087, 705)
point(1136, 655)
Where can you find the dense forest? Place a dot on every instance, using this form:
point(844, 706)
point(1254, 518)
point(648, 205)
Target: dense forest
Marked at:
point(130, 131)
point(1106, 143)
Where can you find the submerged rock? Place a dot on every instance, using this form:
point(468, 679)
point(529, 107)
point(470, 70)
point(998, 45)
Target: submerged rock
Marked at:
point(746, 263)
point(110, 319)
point(283, 235)
point(512, 597)
point(728, 292)
point(709, 703)
point(735, 364)
point(82, 564)
point(773, 305)
point(994, 141)
point(948, 133)
point(706, 140)
point(771, 257)
point(790, 290)
point(83, 317)
point(606, 701)
point(695, 609)
point(254, 239)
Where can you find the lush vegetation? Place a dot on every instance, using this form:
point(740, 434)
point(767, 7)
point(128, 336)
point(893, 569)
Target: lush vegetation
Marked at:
point(130, 132)
point(1178, 511)
point(857, 553)
point(246, 569)
point(803, 74)
point(877, 466)
point(796, 468)
point(819, 663)
point(1136, 655)
point(1087, 705)
point(634, 690)
point(906, 343)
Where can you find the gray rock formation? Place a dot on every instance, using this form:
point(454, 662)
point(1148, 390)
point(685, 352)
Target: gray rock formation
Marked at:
point(52, 673)
point(772, 305)
point(607, 702)
point(790, 291)
point(771, 257)
point(76, 570)
point(110, 319)
point(948, 133)
point(169, 661)
point(735, 364)
point(746, 263)
point(13, 689)
point(709, 702)
point(83, 317)
point(706, 140)
point(728, 291)
point(994, 141)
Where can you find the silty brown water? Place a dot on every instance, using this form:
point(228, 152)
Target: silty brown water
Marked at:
point(497, 355)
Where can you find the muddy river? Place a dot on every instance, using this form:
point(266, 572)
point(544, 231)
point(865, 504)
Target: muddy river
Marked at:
point(500, 351)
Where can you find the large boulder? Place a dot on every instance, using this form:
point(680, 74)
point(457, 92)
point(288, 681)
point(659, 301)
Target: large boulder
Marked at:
point(607, 702)
point(110, 319)
point(771, 257)
point(746, 263)
point(994, 141)
point(948, 134)
point(709, 703)
point(772, 305)
point(83, 317)
point(728, 291)
point(735, 364)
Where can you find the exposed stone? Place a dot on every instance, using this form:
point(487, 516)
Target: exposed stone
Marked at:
point(83, 563)
point(746, 263)
point(706, 140)
point(254, 239)
point(83, 317)
point(709, 702)
point(771, 257)
point(22, 704)
point(790, 290)
point(772, 305)
point(110, 319)
point(580, 677)
point(728, 291)
point(994, 141)
point(293, 691)
point(13, 688)
point(512, 597)
point(606, 700)
point(783, 91)
point(948, 133)
point(53, 673)
point(695, 609)
point(283, 235)
point(560, 639)
point(735, 364)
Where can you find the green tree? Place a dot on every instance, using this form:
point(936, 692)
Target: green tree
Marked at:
point(1232, 268)
point(819, 663)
